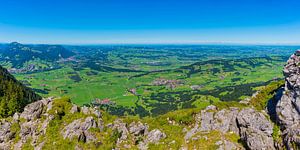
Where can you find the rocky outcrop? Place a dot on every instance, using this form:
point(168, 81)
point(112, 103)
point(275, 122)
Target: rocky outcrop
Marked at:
point(255, 129)
point(288, 107)
point(5, 132)
point(223, 120)
point(226, 145)
point(138, 128)
point(139, 133)
point(155, 136)
point(74, 109)
point(252, 126)
point(34, 110)
point(79, 129)
point(32, 124)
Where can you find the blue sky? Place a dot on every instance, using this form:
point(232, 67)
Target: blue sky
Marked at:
point(150, 21)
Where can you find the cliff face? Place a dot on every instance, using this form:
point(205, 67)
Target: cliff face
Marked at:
point(288, 108)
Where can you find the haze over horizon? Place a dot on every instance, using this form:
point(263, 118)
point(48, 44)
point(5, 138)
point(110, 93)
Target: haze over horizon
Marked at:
point(150, 22)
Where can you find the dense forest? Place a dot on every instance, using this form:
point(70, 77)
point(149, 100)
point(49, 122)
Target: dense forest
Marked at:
point(14, 96)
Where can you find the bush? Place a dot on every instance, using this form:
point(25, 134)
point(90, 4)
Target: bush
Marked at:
point(61, 107)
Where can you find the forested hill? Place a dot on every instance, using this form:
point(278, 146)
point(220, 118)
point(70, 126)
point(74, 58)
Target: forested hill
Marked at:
point(14, 96)
point(17, 54)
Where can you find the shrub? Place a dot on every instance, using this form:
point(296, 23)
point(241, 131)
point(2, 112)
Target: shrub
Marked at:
point(61, 107)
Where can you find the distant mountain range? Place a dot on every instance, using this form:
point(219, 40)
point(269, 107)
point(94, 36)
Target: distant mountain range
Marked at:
point(17, 54)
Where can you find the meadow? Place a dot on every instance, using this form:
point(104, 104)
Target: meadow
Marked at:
point(164, 78)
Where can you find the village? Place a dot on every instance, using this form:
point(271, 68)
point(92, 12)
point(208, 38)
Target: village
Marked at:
point(172, 84)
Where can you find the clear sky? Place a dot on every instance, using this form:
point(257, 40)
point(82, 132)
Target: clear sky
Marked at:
point(150, 21)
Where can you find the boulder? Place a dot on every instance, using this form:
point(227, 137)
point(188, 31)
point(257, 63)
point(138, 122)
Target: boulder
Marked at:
point(5, 146)
point(48, 103)
point(97, 113)
point(120, 126)
point(85, 110)
point(255, 129)
point(16, 117)
point(248, 123)
point(74, 109)
point(227, 145)
point(46, 123)
point(29, 130)
point(155, 136)
point(79, 129)
point(5, 133)
point(138, 128)
point(211, 119)
point(32, 111)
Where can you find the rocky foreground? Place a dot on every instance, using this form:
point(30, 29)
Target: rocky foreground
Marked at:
point(252, 126)
point(59, 124)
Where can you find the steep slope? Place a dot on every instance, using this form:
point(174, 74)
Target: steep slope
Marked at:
point(17, 53)
point(13, 95)
point(288, 107)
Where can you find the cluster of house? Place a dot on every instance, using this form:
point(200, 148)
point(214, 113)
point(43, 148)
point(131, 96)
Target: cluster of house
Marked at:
point(172, 84)
point(61, 60)
point(29, 68)
point(196, 87)
point(103, 102)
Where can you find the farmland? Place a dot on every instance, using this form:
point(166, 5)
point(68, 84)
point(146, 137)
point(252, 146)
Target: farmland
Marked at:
point(155, 79)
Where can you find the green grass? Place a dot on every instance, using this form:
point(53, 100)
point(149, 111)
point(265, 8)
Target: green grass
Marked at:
point(265, 94)
point(114, 85)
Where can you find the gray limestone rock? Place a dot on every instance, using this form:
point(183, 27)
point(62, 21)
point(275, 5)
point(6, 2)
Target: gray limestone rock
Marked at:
point(79, 129)
point(138, 129)
point(74, 109)
point(288, 107)
point(120, 126)
point(155, 136)
point(255, 129)
point(85, 110)
point(97, 113)
point(5, 133)
point(32, 111)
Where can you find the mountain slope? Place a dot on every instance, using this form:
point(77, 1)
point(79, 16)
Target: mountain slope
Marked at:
point(269, 120)
point(14, 96)
point(17, 53)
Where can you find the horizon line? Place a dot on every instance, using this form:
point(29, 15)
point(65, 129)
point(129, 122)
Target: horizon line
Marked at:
point(157, 43)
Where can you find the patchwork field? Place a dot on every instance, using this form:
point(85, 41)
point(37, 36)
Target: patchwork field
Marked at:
point(152, 80)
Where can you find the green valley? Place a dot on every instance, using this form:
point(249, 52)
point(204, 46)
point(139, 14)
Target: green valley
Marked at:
point(152, 80)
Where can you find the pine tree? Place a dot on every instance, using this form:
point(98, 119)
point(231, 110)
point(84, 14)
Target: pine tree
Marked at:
point(14, 96)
